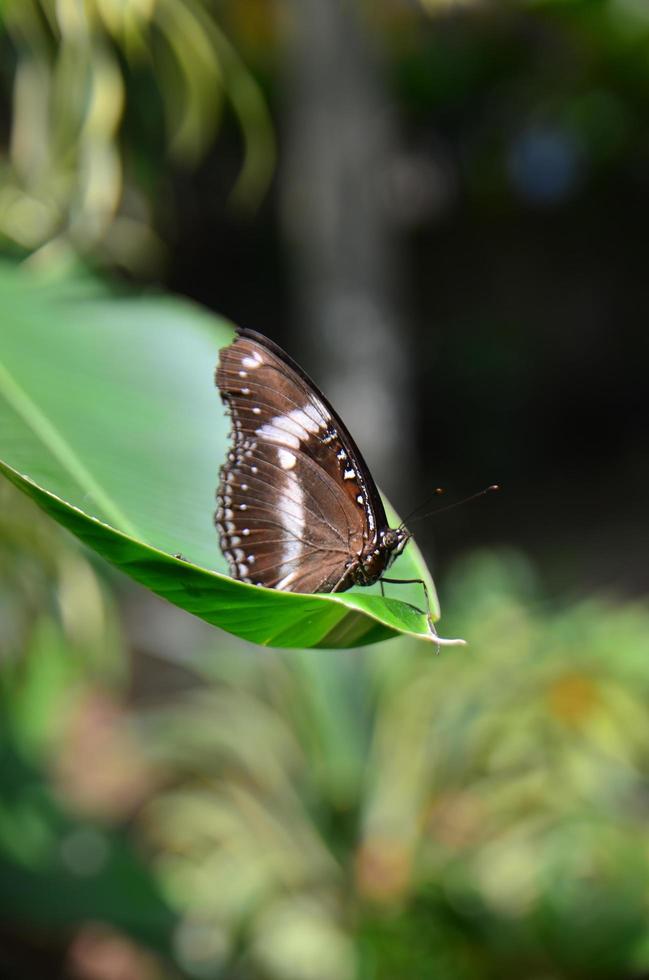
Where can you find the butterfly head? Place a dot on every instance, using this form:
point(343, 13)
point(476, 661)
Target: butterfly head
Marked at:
point(394, 540)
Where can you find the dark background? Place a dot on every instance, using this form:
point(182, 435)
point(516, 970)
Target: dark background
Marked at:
point(516, 192)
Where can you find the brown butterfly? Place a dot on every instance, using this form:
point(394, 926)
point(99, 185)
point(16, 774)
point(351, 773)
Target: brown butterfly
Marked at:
point(298, 509)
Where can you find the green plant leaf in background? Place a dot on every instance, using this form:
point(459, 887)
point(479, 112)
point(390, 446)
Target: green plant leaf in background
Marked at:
point(110, 422)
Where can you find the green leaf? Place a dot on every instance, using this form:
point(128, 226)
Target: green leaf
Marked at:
point(110, 422)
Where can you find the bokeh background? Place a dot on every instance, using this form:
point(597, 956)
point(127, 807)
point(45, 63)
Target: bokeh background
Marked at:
point(441, 209)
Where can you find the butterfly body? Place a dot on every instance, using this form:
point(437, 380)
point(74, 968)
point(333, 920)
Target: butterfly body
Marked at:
point(298, 509)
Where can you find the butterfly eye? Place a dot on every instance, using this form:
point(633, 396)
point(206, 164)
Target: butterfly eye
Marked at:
point(390, 538)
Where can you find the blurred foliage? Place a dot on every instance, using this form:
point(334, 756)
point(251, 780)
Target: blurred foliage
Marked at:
point(526, 103)
point(70, 773)
point(85, 81)
point(389, 813)
point(308, 815)
point(106, 103)
point(47, 584)
point(376, 814)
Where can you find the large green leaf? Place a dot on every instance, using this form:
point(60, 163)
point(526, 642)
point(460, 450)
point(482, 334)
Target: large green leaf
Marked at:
point(110, 422)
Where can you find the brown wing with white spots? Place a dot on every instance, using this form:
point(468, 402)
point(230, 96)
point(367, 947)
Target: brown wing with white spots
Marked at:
point(293, 500)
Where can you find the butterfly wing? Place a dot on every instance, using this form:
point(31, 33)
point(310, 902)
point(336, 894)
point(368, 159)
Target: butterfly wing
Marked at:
point(297, 506)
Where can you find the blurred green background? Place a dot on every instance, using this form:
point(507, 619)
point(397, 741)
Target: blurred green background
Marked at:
point(441, 209)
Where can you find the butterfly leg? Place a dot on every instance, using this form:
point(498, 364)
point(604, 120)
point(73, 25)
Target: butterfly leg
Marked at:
point(417, 581)
point(411, 581)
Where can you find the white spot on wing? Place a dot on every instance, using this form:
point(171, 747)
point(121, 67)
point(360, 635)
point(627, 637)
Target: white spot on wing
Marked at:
point(293, 518)
point(286, 459)
point(277, 435)
point(291, 429)
point(251, 362)
point(298, 417)
point(349, 475)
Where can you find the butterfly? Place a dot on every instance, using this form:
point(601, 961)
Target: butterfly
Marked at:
point(298, 509)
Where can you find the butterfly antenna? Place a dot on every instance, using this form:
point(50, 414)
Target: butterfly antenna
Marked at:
point(458, 503)
point(437, 492)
